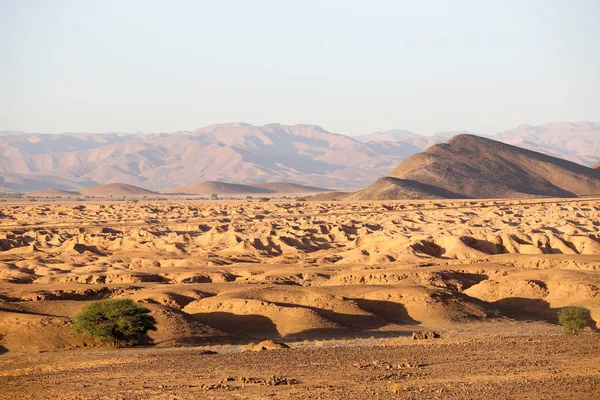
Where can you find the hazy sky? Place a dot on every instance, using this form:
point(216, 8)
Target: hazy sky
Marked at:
point(349, 66)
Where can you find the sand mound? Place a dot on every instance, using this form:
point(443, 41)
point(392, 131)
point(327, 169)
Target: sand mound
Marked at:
point(21, 331)
point(534, 293)
point(176, 327)
point(116, 189)
point(53, 193)
point(46, 324)
point(256, 318)
point(475, 167)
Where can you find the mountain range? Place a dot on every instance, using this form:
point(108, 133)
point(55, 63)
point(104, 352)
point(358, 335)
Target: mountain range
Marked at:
point(246, 154)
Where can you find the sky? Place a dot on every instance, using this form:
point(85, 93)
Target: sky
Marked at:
point(352, 67)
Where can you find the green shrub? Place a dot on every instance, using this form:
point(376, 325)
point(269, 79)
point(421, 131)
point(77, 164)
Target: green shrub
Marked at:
point(573, 319)
point(214, 196)
point(114, 321)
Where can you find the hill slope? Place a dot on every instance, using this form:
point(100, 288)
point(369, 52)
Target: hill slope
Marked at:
point(286, 187)
point(53, 193)
point(207, 188)
point(475, 167)
point(390, 188)
point(116, 189)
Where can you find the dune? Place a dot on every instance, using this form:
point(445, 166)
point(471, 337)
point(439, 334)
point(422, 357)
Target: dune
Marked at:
point(476, 167)
point(116, 189)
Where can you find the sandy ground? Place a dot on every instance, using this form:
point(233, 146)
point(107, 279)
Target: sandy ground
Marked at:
point(330, 279)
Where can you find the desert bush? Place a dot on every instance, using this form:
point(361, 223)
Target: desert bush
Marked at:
point(263, 199)
point(573, 319)
point(114, 321)
point(214, 196)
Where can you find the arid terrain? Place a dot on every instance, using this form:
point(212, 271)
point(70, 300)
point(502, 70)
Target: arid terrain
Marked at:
point(344, 284)
point(241, 153)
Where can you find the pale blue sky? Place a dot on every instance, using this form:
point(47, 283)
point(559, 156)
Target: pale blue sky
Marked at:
point(350, 66)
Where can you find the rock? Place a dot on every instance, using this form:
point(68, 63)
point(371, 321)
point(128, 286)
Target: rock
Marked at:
point(424, 335)
point(266, 345)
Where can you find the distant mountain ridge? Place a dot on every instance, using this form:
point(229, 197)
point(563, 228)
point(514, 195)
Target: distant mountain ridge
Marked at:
point(245, 154)
point(574, 141)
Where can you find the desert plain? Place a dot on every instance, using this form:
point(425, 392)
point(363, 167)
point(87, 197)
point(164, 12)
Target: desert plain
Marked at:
point(343, 284)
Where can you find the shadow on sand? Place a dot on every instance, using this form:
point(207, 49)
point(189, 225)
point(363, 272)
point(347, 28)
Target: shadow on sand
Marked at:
point(522, 309)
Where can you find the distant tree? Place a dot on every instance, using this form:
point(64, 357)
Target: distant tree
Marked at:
point(573, 319)
point(214, 196)
point(114, 321)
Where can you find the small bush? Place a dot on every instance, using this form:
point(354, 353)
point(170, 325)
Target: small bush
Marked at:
point(114, 321)
point(573, 319)
point(303, 198)
point(263, 199)
point(214, 196)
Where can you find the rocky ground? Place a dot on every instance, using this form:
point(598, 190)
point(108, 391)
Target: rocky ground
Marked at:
point(531, 367)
